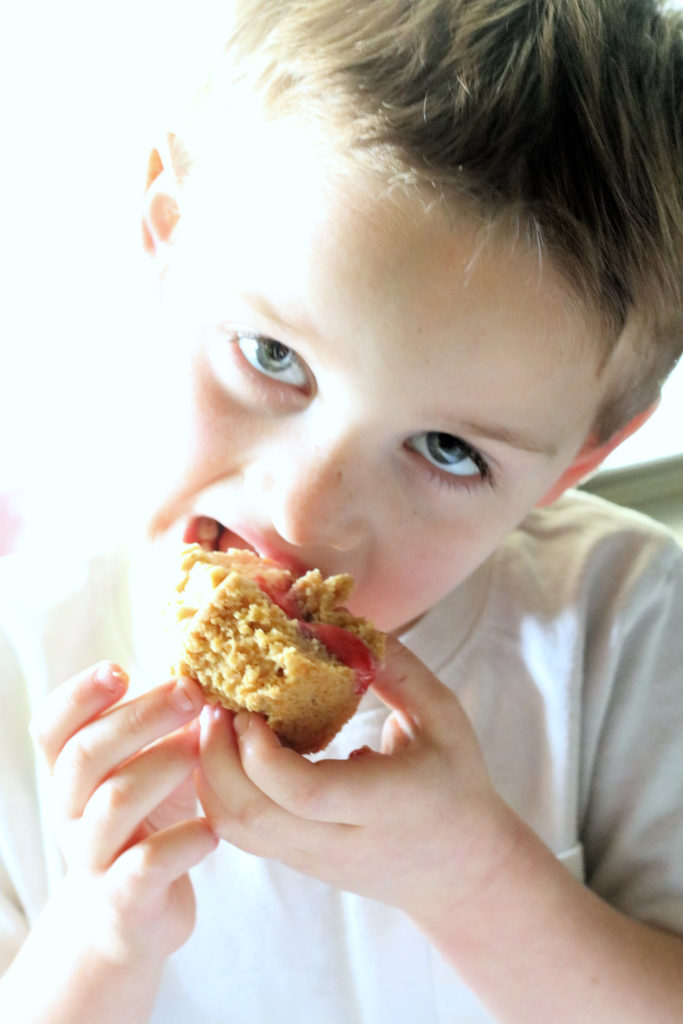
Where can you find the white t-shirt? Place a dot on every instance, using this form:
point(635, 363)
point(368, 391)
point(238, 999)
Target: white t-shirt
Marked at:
point(566, 650)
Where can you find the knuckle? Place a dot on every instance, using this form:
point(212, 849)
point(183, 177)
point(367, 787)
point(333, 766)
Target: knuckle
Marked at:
point(144, 865)
point(251, 816)
point(124, 892)
point(108, 801)
point(138, 717)
point(115, 795)
point(78, 756)
point(250, 827)
point(248, 831)
point(130, 885)
point(309, 799)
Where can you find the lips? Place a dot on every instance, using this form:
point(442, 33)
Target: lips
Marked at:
point(212, 535)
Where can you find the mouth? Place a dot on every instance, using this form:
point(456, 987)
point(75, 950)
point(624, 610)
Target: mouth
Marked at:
point(212, 535)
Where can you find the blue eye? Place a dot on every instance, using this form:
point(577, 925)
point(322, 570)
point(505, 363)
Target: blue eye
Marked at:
point(450, 454)
point(273, 359)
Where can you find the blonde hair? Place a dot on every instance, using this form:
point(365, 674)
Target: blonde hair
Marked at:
point(564, 117)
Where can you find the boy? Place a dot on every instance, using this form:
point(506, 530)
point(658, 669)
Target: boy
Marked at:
point(423, 268)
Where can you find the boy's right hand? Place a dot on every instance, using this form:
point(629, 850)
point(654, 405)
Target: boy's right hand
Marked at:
point(125, 809)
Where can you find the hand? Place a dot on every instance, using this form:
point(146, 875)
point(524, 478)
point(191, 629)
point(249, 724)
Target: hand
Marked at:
point(417, 825)
point(125, 809)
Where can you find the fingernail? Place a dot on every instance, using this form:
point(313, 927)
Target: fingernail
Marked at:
point(111, 678)
point(184, 699)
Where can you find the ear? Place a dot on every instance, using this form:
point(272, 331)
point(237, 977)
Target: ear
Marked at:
point(167, 167)
point(593, 453)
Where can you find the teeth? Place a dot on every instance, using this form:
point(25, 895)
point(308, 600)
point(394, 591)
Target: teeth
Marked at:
point(213, 536)
point(207, 531)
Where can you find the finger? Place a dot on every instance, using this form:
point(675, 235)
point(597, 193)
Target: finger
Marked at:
point(397, 733)
point(179, 805)
point(414, 693)
point(74, 704)
point(144, 871)
point(332, 791)
point(228, 797)
point(240, 812)
point(124, 801)
point(97, 749)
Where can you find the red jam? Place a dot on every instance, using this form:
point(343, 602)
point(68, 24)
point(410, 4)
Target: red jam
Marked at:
point(281, 596)
point(343, 645)
point(347, 648)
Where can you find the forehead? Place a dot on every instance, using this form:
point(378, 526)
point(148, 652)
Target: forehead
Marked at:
point(263, 181)
point(279, 214)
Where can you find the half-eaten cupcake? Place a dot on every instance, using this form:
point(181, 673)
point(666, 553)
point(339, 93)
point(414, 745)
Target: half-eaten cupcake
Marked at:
point(258, 638)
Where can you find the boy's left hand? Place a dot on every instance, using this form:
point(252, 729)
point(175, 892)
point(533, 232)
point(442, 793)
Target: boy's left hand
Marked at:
point(418, 825)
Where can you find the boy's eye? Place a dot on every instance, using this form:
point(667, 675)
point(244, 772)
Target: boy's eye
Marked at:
point(273, 359)
point(450, 454)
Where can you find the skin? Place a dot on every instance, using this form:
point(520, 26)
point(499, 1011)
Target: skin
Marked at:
point(530, 940)
point(369, 295)
point(375, 438)
point(123, 808)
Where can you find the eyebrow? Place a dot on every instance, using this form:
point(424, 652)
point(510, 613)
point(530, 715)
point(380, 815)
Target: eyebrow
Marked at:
point(263, 307)
point(484, 432)
point(514, 439)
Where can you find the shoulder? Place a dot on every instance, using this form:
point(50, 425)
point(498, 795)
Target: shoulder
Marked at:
point(587, 548)
point(592, 593)
point(585, 521)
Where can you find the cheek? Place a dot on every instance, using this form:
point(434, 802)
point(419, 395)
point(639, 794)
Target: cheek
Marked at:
point(406, 578)
point(205, 426)
point(221, 434)
point(177, 435)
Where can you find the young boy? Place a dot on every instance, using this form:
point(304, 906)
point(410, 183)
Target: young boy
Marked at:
point(422, 265)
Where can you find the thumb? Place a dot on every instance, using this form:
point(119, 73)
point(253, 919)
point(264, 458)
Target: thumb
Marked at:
point(420, 701)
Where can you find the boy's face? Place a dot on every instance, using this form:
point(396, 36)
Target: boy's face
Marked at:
point(371, 391)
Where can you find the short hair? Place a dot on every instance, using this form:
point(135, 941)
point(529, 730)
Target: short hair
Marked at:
point(562, 117)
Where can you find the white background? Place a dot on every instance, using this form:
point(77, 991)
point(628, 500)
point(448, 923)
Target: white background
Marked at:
point(86, 89)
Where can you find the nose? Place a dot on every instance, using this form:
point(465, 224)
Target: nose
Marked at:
point(314, 491)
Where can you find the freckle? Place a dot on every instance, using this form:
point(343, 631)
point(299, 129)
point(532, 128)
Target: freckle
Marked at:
point(339, 476)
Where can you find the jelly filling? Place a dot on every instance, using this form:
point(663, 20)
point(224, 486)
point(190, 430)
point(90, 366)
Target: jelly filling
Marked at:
point(341, 643)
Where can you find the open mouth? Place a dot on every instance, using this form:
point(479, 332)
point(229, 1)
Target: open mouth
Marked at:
point(213, 536)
